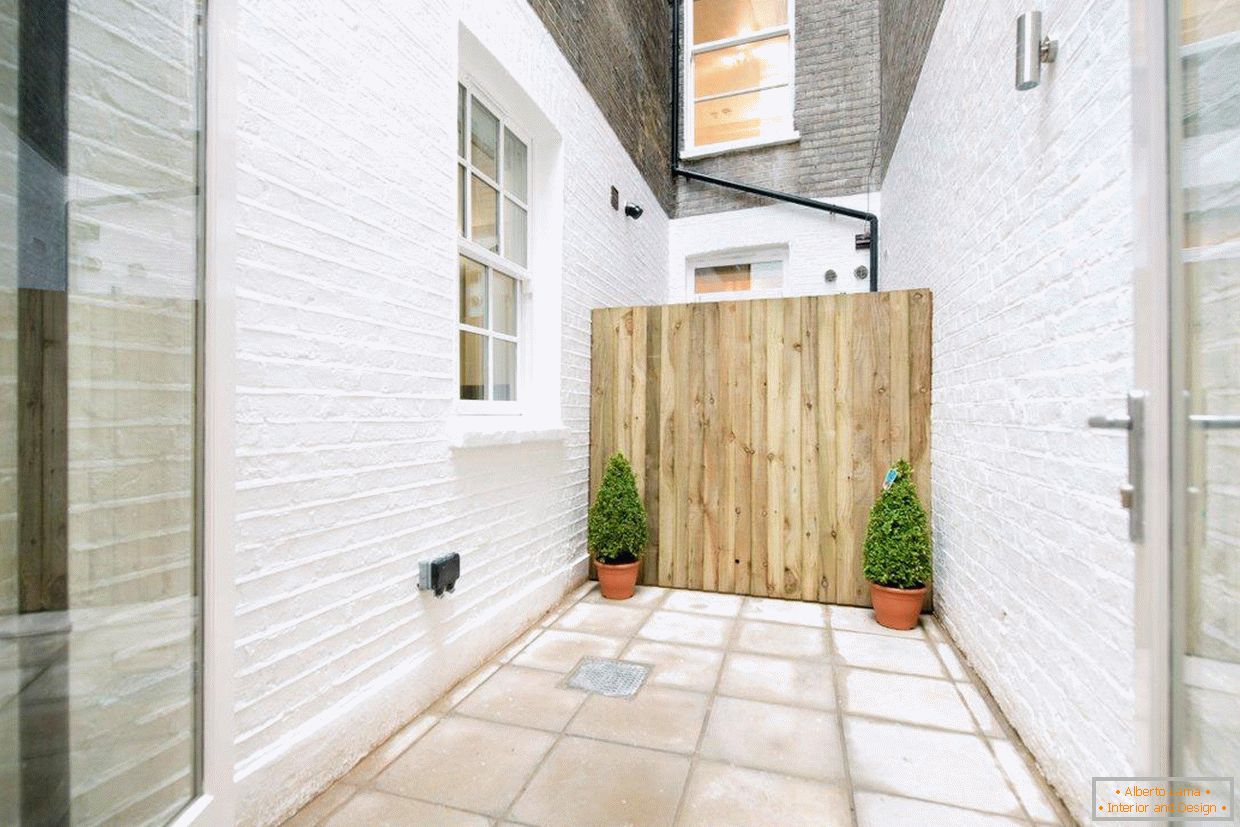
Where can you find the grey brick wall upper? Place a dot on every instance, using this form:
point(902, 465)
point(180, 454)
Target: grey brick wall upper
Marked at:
point(907, 27)
point(837, 115)
point(621, 50)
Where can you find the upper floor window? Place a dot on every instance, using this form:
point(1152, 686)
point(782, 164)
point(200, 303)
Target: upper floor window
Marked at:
point(739, 73)
point(493, 182)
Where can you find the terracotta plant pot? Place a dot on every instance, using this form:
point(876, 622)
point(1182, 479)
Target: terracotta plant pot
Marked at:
point(895, 608)
point(619, 581)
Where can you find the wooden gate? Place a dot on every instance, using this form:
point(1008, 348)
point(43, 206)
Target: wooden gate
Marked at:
point(760, 432)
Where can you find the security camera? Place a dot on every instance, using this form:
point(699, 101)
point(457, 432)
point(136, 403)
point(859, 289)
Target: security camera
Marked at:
point(633, 210)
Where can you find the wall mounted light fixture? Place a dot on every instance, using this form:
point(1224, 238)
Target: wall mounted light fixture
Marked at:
point(633, 210)
point(1032, 50)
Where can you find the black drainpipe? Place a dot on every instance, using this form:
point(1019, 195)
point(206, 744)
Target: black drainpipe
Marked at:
point(677, 169)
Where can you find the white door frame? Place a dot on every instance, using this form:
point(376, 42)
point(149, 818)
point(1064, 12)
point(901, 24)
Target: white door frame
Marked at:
point(1152, 246)
point(216, 804)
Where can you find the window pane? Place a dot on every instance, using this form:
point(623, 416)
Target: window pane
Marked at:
point(505, 386)
point(460, 197)
point(516, 163)
point(473, 293)
point(484, 132)
point(766, 275)
point(722, 279)
point(460, 120)
point(735, 117)
point(483, 204)
point(760, 63)
point(514, 233)
point(473, 366)
point(717, 19)
point(504, 309)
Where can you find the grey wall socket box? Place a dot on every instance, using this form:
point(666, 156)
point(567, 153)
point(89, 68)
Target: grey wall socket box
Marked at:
point(439, 575)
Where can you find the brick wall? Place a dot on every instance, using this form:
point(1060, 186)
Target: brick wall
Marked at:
point(837, 115)
point(907, 26)
point(346, 339)
point(621, 50)
point(1033, 333)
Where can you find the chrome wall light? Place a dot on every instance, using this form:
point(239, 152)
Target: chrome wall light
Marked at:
point(1032, 50)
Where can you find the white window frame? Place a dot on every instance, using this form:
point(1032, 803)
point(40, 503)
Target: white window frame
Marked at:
point(689, 51)
point(491, 260)
point(723, 258)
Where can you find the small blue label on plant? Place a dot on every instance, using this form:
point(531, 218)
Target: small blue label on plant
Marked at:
point(890, 478)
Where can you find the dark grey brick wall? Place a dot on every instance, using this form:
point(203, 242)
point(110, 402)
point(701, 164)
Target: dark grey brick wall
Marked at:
point(621, 51)
point(837, 115)
point(907, 27)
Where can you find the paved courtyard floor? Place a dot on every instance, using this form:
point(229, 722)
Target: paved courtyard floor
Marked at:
point(754, 712)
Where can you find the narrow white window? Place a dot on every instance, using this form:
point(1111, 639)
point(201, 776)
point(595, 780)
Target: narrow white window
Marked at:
point(738, 74)
point(493, 184)
point(738, 274)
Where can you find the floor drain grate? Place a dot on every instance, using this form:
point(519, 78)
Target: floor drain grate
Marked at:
point(614, 678)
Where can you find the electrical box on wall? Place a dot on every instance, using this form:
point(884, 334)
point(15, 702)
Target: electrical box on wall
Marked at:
point(439, 575)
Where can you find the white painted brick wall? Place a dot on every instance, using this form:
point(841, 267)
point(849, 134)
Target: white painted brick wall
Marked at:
point(1016, 209)
point(816, 241)
point(346, 338)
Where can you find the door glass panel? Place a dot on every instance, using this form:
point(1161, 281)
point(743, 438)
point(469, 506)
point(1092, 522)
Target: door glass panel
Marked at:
point(100, 307)
point(473, 366)
point(484, 206)
point(504, 386)
point(484, 128)
point(1206, 144)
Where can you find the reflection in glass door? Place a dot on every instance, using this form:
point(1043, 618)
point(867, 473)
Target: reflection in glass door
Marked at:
point(100, 309)
point(1205, 172)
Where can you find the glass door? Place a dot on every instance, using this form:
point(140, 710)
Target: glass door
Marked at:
point(1204, 171)
point(100, 317)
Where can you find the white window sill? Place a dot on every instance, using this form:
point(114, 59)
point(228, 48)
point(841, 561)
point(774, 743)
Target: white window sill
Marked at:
point(737, 146)
point(482, 431)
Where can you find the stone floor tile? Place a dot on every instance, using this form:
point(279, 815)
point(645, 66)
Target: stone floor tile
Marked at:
point(720, 794)
point(778, 680)
point(1031, 793)
point(684, 667)
point(390, 750)
point(908, 698)
point(877, 810)
point(459, 692)
point(586, 782)
point(782, 639)
point(645, 597)
point(560, 651)
point(954, 667)
point(512, 649)
point(803, 742)
point(691, 629)
point(704, 603)
point(467, 764)
point(608, 618)
point(891, 654)
point(981, 710)
point(795, 612)
point(377, 809)
point(860, 619)
point(947, 767)
point(322, 806)
point(524, 697)
point(657, 717)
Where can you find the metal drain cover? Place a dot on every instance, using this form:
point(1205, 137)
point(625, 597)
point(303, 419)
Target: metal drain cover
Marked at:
point(614, 678)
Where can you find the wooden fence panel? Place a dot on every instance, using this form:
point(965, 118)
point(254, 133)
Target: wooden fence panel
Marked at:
point(760, 431)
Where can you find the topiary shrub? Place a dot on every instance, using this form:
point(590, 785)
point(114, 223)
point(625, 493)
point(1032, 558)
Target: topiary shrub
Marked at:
point(617, 526)
point(897, 541)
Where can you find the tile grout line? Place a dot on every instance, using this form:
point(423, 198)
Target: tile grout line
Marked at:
point(836, 685)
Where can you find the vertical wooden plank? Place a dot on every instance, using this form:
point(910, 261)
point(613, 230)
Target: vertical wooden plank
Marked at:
point(920, 343)
point(849, 432)
point(898, 371)
point(828, 518)
point(727, 442)
point(654, 360)
point(712, 448)
point(669, 491)
point(775, 446)
point(636, 379)
point(811, 570)
point(742, 446)
point(791, 351)
point(686, 457)
point(696, 421)
point(758, 461)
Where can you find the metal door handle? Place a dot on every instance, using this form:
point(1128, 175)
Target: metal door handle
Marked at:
point(1214, 421)
point(1130, 493)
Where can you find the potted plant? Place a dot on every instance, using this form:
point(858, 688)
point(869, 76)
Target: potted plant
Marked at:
point(617, 530)
point(897, 551)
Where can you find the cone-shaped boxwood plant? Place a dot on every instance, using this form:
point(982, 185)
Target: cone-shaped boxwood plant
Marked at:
point(897, 542)
point(617, 527)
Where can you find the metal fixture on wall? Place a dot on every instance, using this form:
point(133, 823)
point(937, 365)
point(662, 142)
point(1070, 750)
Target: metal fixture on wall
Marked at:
point(633, 211)
point(870, 218)
point(1032, 50)
point(861, 272)
point(829, 276)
